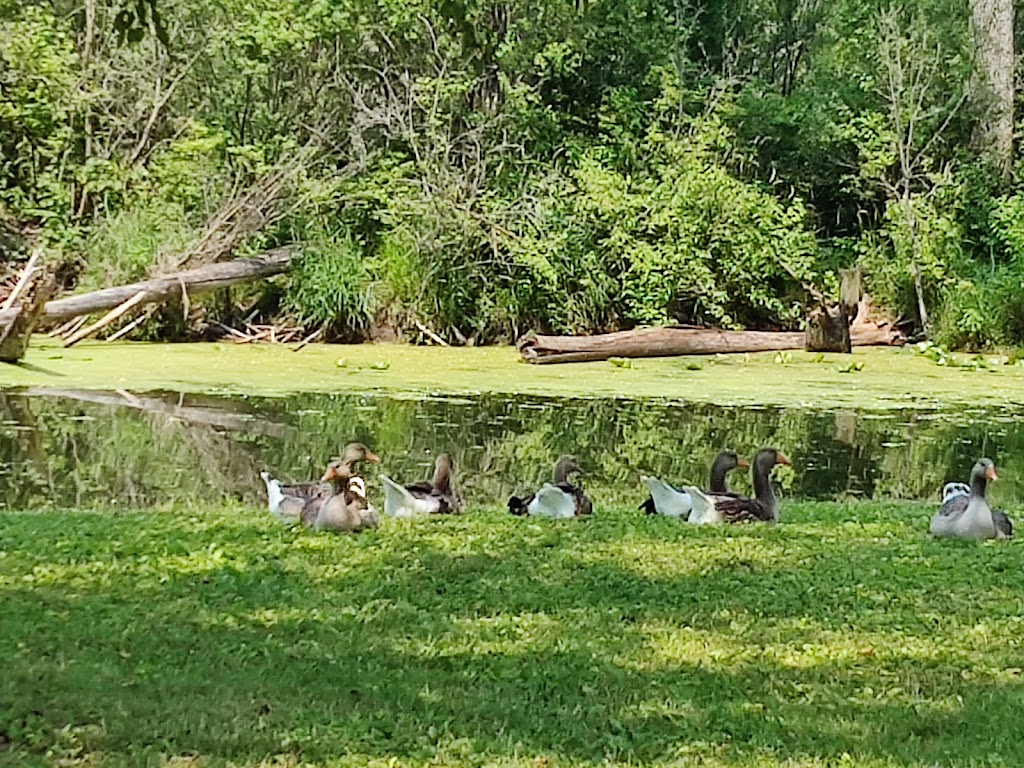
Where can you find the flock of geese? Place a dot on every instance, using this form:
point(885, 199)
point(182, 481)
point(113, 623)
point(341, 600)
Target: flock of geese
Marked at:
point(338, 501)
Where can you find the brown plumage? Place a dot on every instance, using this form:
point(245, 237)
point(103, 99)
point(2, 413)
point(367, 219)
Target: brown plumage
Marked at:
point(347, 511)
point(436, 496)
point(287, 501)
point(712, 508)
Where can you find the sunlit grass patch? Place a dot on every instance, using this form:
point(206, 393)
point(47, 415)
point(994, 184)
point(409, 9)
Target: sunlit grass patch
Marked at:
point(214, 636)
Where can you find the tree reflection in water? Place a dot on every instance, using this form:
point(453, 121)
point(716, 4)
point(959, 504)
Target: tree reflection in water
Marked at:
point(139, 450)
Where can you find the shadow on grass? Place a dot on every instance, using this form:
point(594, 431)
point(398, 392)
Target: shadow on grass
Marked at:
point(436, 642)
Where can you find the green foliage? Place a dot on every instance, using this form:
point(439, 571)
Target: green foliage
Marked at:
point(565, 167)
point(330, 286)
point(39, 98)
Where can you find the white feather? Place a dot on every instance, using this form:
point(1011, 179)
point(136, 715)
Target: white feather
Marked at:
point(667, 500)
point(551, 501)
point(704, 510)
point(398, 502)
point(275, 498)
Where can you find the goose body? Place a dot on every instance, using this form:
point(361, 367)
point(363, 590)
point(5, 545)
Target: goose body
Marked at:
point(344, 512)
point(431, 497)
point(667, 500)
point(719, 508)
point(969, 516)
point(287, 501)
point(558, 500)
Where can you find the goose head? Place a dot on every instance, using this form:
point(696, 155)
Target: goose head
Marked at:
point(984, 470)
point(343, 468)
point(566, 466)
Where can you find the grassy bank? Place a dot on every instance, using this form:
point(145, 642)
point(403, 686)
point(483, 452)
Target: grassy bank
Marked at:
point(870, 378)
point(214, 637)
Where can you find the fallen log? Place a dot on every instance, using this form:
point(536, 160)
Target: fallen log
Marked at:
point(159, 289)
point(682, 340)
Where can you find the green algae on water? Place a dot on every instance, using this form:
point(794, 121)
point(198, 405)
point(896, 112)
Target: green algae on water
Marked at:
point(883, 377)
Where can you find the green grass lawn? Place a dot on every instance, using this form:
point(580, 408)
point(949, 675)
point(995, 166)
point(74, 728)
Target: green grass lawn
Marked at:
point(215, 637)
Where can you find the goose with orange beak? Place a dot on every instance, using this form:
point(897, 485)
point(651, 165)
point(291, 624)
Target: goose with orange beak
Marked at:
point(970, 516)
point(718, 508)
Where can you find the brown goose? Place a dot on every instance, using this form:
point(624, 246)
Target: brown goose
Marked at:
point(559, 499)
point(286, 501)
point(670, 501)
point(434, 496)
point(344, 512)
point(718, 508)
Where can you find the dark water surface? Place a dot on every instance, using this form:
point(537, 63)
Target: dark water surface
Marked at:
point(144, 450)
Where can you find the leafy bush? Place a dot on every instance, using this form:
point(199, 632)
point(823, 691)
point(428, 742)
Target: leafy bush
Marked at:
point(330, 287)
point(39, 97)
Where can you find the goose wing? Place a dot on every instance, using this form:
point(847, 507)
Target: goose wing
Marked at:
point(741, 509)
point(666, 499)
point(1004, 526)
point(955, 505)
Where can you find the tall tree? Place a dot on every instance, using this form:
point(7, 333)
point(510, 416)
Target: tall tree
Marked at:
point(992, 24)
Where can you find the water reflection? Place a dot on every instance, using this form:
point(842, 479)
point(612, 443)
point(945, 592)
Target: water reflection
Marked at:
point(138, 450)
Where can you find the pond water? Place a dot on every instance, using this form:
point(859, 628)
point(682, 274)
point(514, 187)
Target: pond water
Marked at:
point(145, 450)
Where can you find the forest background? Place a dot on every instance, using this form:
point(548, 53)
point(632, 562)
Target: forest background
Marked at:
point(483, 168)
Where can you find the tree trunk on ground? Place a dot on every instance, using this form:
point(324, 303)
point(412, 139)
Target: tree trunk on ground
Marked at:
point(159, 289)
point(992, 24)
point(681, 340)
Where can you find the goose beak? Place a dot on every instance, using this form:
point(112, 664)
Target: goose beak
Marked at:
point(990, 473)
point(329, 475)
point(782, 458)
point(742, 463)
point(372, 457)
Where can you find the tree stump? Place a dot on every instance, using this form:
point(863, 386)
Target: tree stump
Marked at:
point(18, 321)
point(828, 330)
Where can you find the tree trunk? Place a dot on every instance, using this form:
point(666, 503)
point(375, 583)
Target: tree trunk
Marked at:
point(22, 311)
point(828, 329)
point(992, 24)
point(680, 340)
point(158, 289)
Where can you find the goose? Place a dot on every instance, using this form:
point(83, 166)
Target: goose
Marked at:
point(435, 496)
point(968, 516)
point(670, 501)
point(559, 499)
point(718, 508)
point(345, 512)
point(286, 501)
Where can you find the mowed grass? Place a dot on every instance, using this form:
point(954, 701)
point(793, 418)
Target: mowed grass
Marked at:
point(215, 637)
